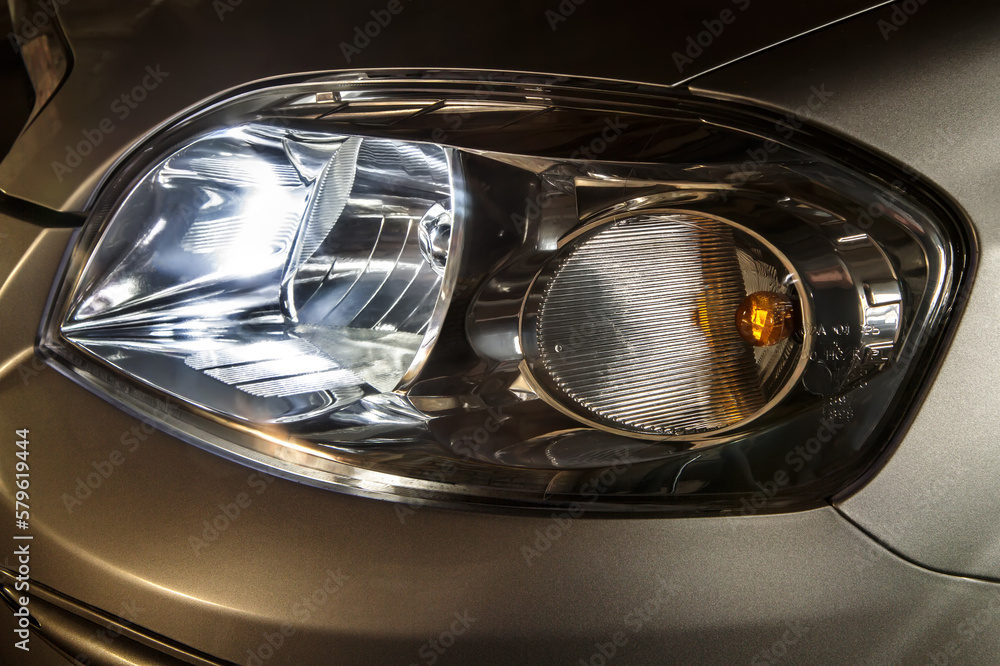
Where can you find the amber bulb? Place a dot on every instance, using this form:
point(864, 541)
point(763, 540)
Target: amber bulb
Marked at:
point(765, 318)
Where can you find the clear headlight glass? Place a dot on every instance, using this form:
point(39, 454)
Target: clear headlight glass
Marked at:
point(299, 271)
point(523, 292)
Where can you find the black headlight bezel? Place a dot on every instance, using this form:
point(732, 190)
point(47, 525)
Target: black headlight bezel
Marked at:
point(268, 450)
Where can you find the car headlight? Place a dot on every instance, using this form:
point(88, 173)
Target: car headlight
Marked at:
point(527, 292)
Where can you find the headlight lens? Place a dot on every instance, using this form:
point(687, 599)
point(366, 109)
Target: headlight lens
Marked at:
point(517, 294)
point(272, 275)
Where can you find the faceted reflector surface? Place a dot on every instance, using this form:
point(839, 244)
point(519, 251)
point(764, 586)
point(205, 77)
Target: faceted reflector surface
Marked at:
point(287, 267)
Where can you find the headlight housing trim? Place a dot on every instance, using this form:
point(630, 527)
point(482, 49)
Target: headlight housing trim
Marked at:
point(276, 453)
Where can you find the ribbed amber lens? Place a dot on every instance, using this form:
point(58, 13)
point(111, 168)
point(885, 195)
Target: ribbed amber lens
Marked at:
point(765, 318)
point(635, 327)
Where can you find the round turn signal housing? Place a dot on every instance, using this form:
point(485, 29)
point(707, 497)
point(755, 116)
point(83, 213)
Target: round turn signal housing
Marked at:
point(765, 318)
